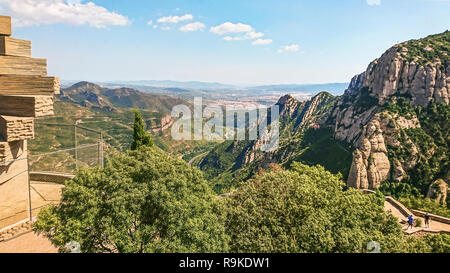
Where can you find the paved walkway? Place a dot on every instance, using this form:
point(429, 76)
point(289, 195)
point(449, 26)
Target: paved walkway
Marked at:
point(28, 243)
point(42, 194)
point(435, 227)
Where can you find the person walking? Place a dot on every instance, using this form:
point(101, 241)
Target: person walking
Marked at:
point(427, 220)
point(410, 222)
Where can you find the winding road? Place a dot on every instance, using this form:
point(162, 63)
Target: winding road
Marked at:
point(195, 158)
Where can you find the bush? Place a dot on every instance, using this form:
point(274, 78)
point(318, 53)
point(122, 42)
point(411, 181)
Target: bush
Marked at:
point(425, 204)
point(306, 210)
point(418, 222)
point(142, 202)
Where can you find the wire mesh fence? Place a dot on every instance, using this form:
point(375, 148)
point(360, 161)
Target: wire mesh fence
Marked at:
point(56, 154)
point(63, 148)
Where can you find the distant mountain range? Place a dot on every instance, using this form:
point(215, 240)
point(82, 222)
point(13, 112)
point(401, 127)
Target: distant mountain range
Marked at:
point(185, 87)
point(94, 96)
point(178, 84)
point(332, 88)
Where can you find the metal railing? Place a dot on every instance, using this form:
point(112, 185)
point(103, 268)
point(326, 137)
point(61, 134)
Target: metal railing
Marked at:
point(80, 153)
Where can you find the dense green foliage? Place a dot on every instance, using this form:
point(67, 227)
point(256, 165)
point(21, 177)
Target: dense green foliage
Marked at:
point(306, 210)
point(432, 139)
point(143, 201)
point(429, 48)
point(365, 101)
point(221, 158)
point(319, 147)
point(434, 244)
point(425, 204)
point(140, 136)
point(399, 189)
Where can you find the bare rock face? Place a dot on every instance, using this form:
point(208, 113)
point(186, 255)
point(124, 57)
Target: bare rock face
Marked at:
point(166, 122)
point(392, 74)
point(288, 106)
point(300, 115)
point(398, 173)
point(370, 164)
point(359, 117)
point(382, 130)
point(438, 191)
point(391, 126)
point(358, 172)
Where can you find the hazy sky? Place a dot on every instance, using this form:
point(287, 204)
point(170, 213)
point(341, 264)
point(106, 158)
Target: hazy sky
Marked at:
point(229, 41)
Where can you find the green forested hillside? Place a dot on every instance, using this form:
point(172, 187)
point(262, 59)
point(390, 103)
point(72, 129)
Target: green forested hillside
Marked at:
point(56, 133)
point(228, 164)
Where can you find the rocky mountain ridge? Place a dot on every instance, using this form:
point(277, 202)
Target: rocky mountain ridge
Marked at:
point(361, 118)
point(394, 118)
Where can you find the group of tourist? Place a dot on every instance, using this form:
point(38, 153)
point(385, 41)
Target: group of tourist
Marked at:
point(411, 221)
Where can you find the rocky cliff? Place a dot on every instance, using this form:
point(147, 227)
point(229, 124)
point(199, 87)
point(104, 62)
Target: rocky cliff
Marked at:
point(295, 118)
point(299, 129)
point(416, 74)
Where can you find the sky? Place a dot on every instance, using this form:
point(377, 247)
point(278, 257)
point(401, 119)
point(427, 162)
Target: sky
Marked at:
point(242, 42)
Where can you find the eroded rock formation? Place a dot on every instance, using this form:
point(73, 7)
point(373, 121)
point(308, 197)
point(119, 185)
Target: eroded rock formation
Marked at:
point(359, 117)
point(439, 191)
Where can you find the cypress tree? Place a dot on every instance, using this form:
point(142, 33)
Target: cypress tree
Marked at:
point(140, 137)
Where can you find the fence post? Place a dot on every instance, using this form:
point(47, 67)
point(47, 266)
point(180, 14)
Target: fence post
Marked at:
point(100, 151)
point(76, 147)
point(30, 208)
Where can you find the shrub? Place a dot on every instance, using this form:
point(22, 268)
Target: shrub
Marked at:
point(418, 222)
point(306, 210)
point(142, 202)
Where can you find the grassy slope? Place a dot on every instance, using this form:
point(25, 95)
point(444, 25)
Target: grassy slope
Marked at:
point(320, 148)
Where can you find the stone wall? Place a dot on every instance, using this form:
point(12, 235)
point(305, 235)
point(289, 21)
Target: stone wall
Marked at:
point(25, 93)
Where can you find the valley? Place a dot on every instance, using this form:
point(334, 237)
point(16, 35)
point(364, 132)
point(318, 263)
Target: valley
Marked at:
point(395, 140)
point(387, 133)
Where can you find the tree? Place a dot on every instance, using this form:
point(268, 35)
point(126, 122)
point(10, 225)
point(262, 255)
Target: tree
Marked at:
point(142, 202)
point(306, 210)
point(140, 137)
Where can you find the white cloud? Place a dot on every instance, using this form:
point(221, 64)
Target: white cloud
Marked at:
point(166, 28)
point(73, 12)
point(253, 35)
point(247, 36)
point(241, 32)
point(197, 26)
point(373, 2)
point(175, 19)
point(289, 48)
point(229, 27)
point(150, 22)
point(262, 42)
